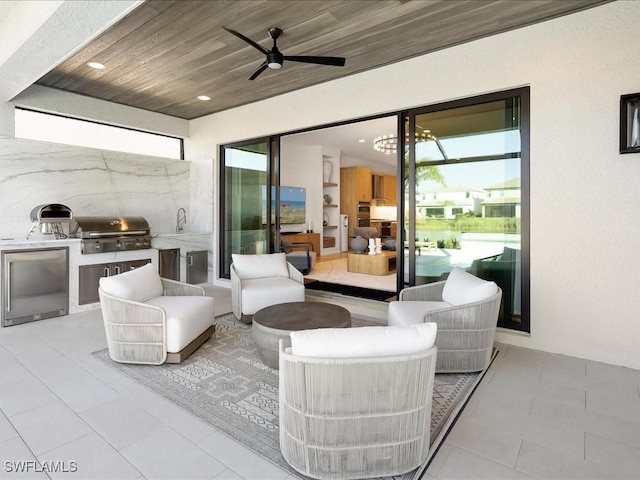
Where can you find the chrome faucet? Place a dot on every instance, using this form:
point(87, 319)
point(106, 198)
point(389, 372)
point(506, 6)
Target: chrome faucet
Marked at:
point(181, 220)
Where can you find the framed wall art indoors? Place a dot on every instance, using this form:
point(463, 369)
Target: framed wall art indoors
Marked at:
point(630, 123)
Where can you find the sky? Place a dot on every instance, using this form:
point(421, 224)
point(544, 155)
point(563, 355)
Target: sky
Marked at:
point(69, 131)
point(477, 175)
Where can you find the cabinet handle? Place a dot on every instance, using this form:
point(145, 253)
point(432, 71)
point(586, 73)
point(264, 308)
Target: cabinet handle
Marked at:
point(190, 259)
point(9, 287)
point(117, 269)
point(106, 271)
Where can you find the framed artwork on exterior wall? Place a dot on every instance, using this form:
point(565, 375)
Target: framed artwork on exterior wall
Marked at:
point(630, 123)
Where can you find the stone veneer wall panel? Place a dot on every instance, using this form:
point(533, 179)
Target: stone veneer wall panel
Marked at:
point(90, 182)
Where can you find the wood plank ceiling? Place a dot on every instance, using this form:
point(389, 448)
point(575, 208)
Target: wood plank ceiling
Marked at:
point(166, 53)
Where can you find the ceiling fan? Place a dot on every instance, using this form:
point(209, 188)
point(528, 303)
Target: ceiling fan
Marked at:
point(275, 58)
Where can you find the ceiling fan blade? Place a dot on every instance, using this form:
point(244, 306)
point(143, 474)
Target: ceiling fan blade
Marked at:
point(261, 69)
point(334, 61)
point(248, 40)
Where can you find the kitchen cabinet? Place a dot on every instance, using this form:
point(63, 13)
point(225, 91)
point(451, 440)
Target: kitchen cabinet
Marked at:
point(355, 186)
point(169, 263)
point(197, 266)
point(390, 189)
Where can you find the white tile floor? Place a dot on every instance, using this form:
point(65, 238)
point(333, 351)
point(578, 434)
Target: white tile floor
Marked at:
point(535, 415)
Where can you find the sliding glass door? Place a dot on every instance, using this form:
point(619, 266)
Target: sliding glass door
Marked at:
point(463, 194)
point(246, 211)
point(466, 195)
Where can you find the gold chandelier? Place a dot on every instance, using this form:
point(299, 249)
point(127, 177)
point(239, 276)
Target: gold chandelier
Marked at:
point(388, 144)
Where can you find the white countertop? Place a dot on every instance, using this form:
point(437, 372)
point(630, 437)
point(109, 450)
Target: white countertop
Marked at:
point(181, 234)
point(35, 242)
point(38, 239)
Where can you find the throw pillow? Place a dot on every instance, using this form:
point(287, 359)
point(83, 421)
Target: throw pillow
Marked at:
point(363, 341)
point(260, 266)
point(138, 285)
point(461, 288)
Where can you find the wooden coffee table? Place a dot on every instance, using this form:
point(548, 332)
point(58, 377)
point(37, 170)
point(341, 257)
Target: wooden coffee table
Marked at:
point(383, 263)
point(275, 322)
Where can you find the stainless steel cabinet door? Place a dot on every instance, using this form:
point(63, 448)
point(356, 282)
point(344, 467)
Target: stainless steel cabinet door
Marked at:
point(90, 276)
point(169, 260)
point(35, 284)
point(197, 266)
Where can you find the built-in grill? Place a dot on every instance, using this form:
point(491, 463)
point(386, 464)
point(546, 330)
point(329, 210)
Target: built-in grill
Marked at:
point(111, 234)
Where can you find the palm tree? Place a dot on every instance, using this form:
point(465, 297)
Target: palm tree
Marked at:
point(425, 172)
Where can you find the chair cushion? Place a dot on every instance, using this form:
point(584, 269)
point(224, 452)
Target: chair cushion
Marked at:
point(138, 285)
point(461, 287)
point(363, 341)
point(412, 312)
point(258, 293)
point(260, 266)
point(187, 317)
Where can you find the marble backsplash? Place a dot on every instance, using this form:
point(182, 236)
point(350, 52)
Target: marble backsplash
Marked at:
point(98, 182)
point(200, 213)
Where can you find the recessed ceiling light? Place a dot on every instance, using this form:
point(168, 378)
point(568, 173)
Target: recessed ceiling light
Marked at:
point(204, 98)
point(362, 140)
point(96, 65)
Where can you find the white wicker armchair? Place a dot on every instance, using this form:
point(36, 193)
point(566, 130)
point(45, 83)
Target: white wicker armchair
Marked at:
point(466, 330)
point(360, 417)
point(153, 320)
point(259, 281)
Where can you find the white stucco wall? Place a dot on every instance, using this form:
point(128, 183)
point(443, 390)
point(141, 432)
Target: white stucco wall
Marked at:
point(584, 206)
point(302, 167)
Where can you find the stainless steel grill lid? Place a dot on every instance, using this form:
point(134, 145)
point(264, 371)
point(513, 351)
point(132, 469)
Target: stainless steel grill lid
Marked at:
point(51, 213)
point(105, 227)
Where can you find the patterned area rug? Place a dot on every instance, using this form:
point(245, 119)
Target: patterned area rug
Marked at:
point(225, 384)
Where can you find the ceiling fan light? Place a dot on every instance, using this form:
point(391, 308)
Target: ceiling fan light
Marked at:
point(274, 59)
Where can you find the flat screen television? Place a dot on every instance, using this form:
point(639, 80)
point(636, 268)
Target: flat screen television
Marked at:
point(293, 205)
